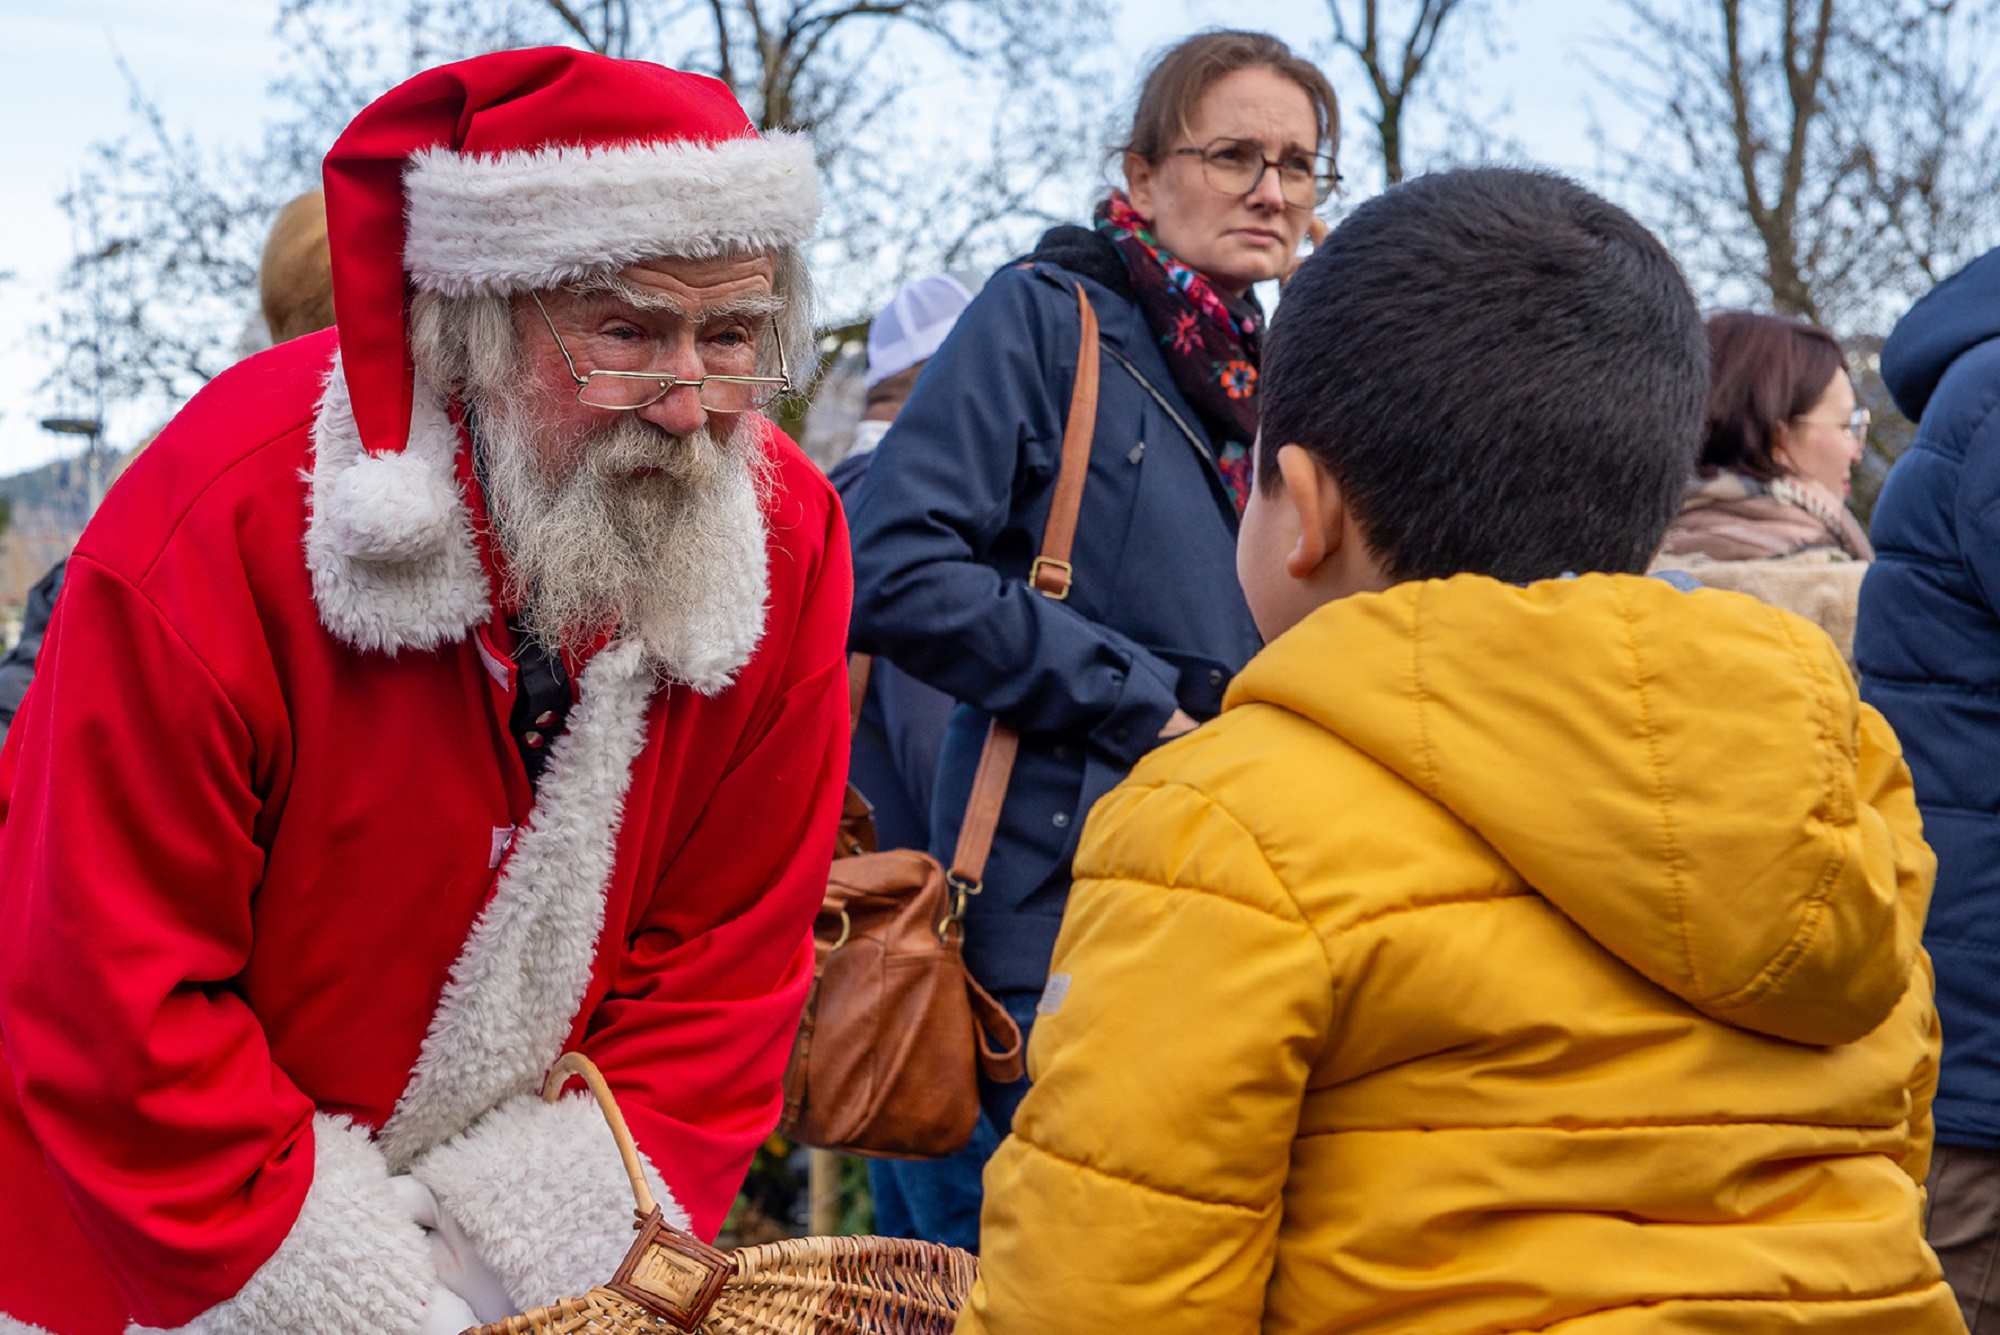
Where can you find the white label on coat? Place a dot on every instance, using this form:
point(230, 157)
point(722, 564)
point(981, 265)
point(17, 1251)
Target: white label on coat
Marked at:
point(503, 838)
point(496, 667)
point(1053, 994)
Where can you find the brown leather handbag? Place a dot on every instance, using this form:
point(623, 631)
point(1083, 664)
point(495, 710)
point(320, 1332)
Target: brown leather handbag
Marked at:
point(895, 1031)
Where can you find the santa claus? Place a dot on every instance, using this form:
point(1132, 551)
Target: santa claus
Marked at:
point(438, 693)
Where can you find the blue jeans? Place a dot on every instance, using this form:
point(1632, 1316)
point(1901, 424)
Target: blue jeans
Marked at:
point(933, 1200)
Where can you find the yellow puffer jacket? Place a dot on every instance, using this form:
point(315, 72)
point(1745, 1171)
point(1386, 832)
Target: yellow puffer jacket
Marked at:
point(1503, 959)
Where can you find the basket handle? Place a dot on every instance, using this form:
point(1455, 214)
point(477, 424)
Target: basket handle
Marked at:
point(575, 1063)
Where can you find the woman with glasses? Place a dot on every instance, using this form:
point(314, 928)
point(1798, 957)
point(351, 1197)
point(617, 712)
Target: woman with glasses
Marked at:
point(1229, 154)
point(1765, 512)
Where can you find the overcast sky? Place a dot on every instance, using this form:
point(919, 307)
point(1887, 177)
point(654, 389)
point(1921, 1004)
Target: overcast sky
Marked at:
point(207, 63)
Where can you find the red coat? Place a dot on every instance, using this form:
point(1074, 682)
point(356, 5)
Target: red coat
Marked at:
point(271, 860)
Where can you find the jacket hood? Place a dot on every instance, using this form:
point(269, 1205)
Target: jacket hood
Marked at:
point(1082, 250)
point(1952, 318)
point(1677, 773)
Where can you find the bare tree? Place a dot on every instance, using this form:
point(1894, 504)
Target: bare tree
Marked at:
point(1832, 159)
point(946, 131)
point(166, 240)
point(1394, 62)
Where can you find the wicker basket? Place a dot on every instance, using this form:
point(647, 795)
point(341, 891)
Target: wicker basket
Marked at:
point(672, 1283)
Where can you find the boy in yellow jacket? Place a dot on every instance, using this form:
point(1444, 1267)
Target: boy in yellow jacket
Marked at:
point(1530, 945)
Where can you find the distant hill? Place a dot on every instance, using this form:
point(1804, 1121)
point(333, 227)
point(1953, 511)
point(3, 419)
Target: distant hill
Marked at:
point(58, 487)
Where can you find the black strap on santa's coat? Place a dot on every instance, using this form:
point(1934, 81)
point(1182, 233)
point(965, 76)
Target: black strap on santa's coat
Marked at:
point(542, 700)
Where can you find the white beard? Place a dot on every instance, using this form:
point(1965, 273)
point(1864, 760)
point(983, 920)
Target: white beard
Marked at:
point(660, 536)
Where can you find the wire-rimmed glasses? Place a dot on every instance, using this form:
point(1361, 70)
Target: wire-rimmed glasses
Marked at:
point(1856, 425)
point(629, 391)
point(1237, 166)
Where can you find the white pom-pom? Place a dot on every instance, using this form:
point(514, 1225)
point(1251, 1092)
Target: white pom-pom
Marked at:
point(389, 507)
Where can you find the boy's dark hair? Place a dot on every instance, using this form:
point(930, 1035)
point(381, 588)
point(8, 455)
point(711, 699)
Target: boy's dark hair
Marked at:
point(1504, 373)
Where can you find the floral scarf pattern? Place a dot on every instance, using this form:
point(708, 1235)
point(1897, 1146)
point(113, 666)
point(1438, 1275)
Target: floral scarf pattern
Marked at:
point(1212, 341)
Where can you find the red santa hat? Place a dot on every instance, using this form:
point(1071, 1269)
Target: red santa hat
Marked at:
point(522, 170)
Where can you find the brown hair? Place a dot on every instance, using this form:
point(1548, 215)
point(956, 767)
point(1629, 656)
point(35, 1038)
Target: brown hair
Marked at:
point(295, 278)
point(1180, 78)
point(1763, 370)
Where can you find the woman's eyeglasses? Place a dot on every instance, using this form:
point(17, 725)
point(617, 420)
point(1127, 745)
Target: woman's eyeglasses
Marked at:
point(1237, 166)
point(1856, 425)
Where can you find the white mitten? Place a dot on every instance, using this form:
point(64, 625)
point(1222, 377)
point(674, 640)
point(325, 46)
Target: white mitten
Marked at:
point(446, 1314)
point(462, 1272)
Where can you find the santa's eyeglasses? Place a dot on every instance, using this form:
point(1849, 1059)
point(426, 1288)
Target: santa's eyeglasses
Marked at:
point(628, 391)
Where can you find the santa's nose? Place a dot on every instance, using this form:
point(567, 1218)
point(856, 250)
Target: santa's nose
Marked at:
point(679, 412)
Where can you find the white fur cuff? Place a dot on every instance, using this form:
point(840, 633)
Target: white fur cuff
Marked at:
point(541, 1191)
point(353, 1261)
point(9, 1326)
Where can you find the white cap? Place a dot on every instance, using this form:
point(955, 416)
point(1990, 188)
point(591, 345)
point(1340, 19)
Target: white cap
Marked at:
point(913, 325)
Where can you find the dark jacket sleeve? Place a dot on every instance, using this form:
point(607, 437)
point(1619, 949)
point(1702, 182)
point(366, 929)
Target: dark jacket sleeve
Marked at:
point(17, 669)
point(950, 517)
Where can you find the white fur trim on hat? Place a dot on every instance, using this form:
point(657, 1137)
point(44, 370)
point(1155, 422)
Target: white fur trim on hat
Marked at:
point(522, 221)
point(389, 542)
point(540, 1189)
point(354, 1259)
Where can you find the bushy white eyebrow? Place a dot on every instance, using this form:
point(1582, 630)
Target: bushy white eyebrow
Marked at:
point(766, 304)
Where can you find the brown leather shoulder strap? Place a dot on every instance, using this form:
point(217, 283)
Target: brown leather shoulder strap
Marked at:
point(1050, 575)
point(982, 809)
point(858, 668)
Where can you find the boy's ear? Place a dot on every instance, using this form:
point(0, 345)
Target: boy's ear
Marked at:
point(1319, 507)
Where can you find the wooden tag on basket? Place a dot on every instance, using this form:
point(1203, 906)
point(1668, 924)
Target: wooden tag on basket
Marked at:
point(672, 1274)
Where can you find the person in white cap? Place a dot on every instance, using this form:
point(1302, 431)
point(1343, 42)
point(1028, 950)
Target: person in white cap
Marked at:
point(436, 694)
point(901, 338)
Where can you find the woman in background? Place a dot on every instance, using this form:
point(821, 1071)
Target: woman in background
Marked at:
point(1230, 151)
point(1765, 513)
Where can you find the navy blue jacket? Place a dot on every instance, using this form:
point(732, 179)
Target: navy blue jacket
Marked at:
point(1927, 644)
point(945, 527)
point(893, 760)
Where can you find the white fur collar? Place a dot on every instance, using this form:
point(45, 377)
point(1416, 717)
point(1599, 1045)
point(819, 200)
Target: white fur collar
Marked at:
point(515, 989)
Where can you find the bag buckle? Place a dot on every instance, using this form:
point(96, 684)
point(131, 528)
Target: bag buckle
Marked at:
point(1056, 584)
point(961, 890)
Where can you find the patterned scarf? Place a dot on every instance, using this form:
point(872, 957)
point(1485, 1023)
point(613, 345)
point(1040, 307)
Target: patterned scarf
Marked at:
point(1212, 341)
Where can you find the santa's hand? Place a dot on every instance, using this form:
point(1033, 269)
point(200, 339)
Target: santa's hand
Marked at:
point(461, 1270)
point(446, 1314)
